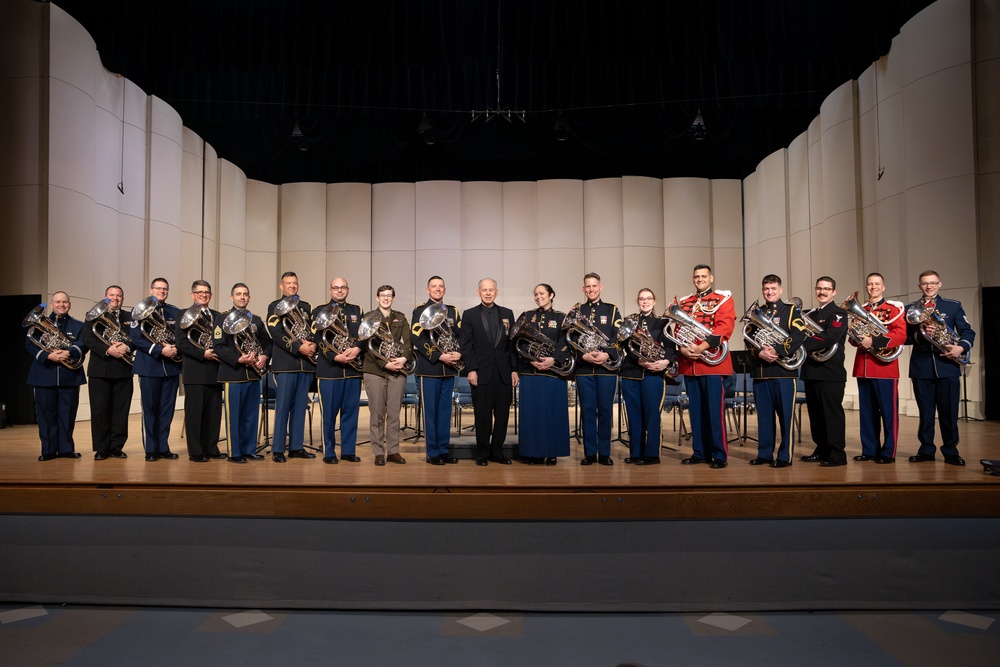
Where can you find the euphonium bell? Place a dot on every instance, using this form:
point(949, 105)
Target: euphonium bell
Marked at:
point(584, 337)
point(107, 329)
point(533, 345)
point(47, 336)
point(380, 342)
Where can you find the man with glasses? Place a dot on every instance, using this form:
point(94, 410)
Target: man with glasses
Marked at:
point(340, 382)
point(935, 372)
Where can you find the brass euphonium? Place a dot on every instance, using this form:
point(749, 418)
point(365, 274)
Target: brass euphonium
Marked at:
point(641, 344)
point(813, 329)
point(935, 329)
point(239, 324)
point(533, 345)
point(331, 327)
point(197, 321)
point(46, 335)
point(153, 326)
point(380, 342)
point(862, 324)
point(107, 329)
point(584, 337)
point(689, 331)
point(759, 332)
point(294, 321)
point(435, 320)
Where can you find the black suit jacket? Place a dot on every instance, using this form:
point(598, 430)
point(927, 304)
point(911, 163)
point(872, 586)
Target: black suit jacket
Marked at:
point(101, 365)
point(490, 361)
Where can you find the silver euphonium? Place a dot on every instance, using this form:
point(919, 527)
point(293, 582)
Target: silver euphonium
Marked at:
point(533, 345)
point(435, 320)
point(46, 335)
point(935, 329)
point(294, 322)
point(153, 326)
point(584, 337)
point(759, 332)
point(380, 342)
point(862, 324)
point(239, 324)
point(641, 344)
point(331, 327)
point(689, 331)
point(107, 329)
point(197, 321)
point(814, 329)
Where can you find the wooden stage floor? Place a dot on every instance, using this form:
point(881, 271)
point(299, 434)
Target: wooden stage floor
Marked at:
point(567, 491)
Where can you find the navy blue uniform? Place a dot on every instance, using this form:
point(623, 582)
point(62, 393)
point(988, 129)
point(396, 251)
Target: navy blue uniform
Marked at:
point(340, 390)
point(544, 396)
point(293, 374)
point(57, 388)
point(159, 378)
point(242, 386)
point(435, 380)
point(643, 392)
point(596, 384)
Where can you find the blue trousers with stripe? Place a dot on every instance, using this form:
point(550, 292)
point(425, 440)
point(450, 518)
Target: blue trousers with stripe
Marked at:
point(435, 397)
point(878, 400)
point(597, 400)
point(242, 404)
point(291, 399)
point(643, 404)
point(775, 401)
point(708, 417)
point(341, 397)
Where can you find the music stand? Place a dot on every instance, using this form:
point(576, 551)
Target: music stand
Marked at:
point(742, 360)
point(965, 395)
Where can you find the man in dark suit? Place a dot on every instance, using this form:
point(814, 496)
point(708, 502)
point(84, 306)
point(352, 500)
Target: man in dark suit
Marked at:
point(491, 362)
point(109, 375)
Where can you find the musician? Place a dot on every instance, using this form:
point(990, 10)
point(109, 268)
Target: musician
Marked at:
point(202, 391)
point(240, 371)
point(293, 374)
point(436, 372)
point(492, 367)
point(596, 383)
point(878, 380)
point(385, 380)
point(825, 380)
point(703, 381)
point(544, 401)
point(159, 368)
point(339, 382)
point(644, 385)
point(935, 374)
point(774, 385)
point(110, 380)
point(56, 387)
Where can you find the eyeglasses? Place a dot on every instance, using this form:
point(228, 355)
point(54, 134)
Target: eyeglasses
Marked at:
point(646, 298)
point(161, 289)
point(203, 293)
point(936, 282)
point(824, 289)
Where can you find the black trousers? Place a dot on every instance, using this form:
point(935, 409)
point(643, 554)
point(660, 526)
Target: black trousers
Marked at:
point(491, 407)
point(110, 400)
point(827, 425)
point(202, 418)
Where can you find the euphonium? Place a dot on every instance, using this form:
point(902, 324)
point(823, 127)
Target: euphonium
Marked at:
point(584, 337)
point(380, 342)
point(689, 331)
point(46, 335)
point(641, 343)
point(759, 331)
point(239, 324)
point(435, 320)
point(934, 328)
point(107, 329)
point(533, 345)
point(862, 324)
point(333, 334)
point(294, 321)
point(198, 321)
point(813, 329)
point(153, 326)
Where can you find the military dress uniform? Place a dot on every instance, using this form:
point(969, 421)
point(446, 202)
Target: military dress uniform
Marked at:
point(109, 381)
point(435, 382)
point(202, 396)
point(878, 386)
point(774, 388)
point(57, 390)
point(159, 378)
point(825, 382)
point(340, 391)
point(703, 381)
point(936, 380)
point(596, 385)
point(643, 392)
point(241, 383)
point(293, 375)
point(544, 395)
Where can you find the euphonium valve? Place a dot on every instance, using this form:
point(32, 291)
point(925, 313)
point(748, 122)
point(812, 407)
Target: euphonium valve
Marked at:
point(380, 341)
point(329, 324)
point(47, 336)
point(862, 324)
point(689, 331)
point(153, 326)
point(434, 319)
point(107, 329)
point(197, 322)
point(533, 345)
point(760, 332)
point(294, 322)
point(584, 337)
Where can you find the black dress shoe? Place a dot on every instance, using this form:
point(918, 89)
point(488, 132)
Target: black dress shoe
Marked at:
point(300, 454)
point(152, 457)
point(920, 458)
point(449, 459)
point(100, 456)
point(218, 456)
point(255, 457)
point(169, 455)
point(832, 463)
point(692, 460)
point(717, 464)
point(278, 457)
point(482, 461)
point(551, 461)
point(237, 459)
point(780, 464)
point(331, 460)
point(761, 462)
point(865, 457)
point(119, 454)
point(649, 461)
point(954, 460)
point(47, 457)
point(435, 460)
point(68, 455)
point(605, 460)
point(812, 458)
point(350, 457)
point(629, 460)
point(199, 458)
point(885, 459)
point(502, 460)
point(588, 460)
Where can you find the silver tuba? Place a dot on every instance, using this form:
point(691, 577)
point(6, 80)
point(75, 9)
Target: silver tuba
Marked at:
point(862, 324)
point(197, 321)
point(533, 345)
point(934, 328)
point(380, 342)
point(641, 344)
point(759, 332)
point(107, 329)
point(328, 323)
point(239, 324)
point(153, 326)
point(46, 335)
point(689, 331)
point(435, 320)
point(813, 329)
point(294, 321)
point(584, 337)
